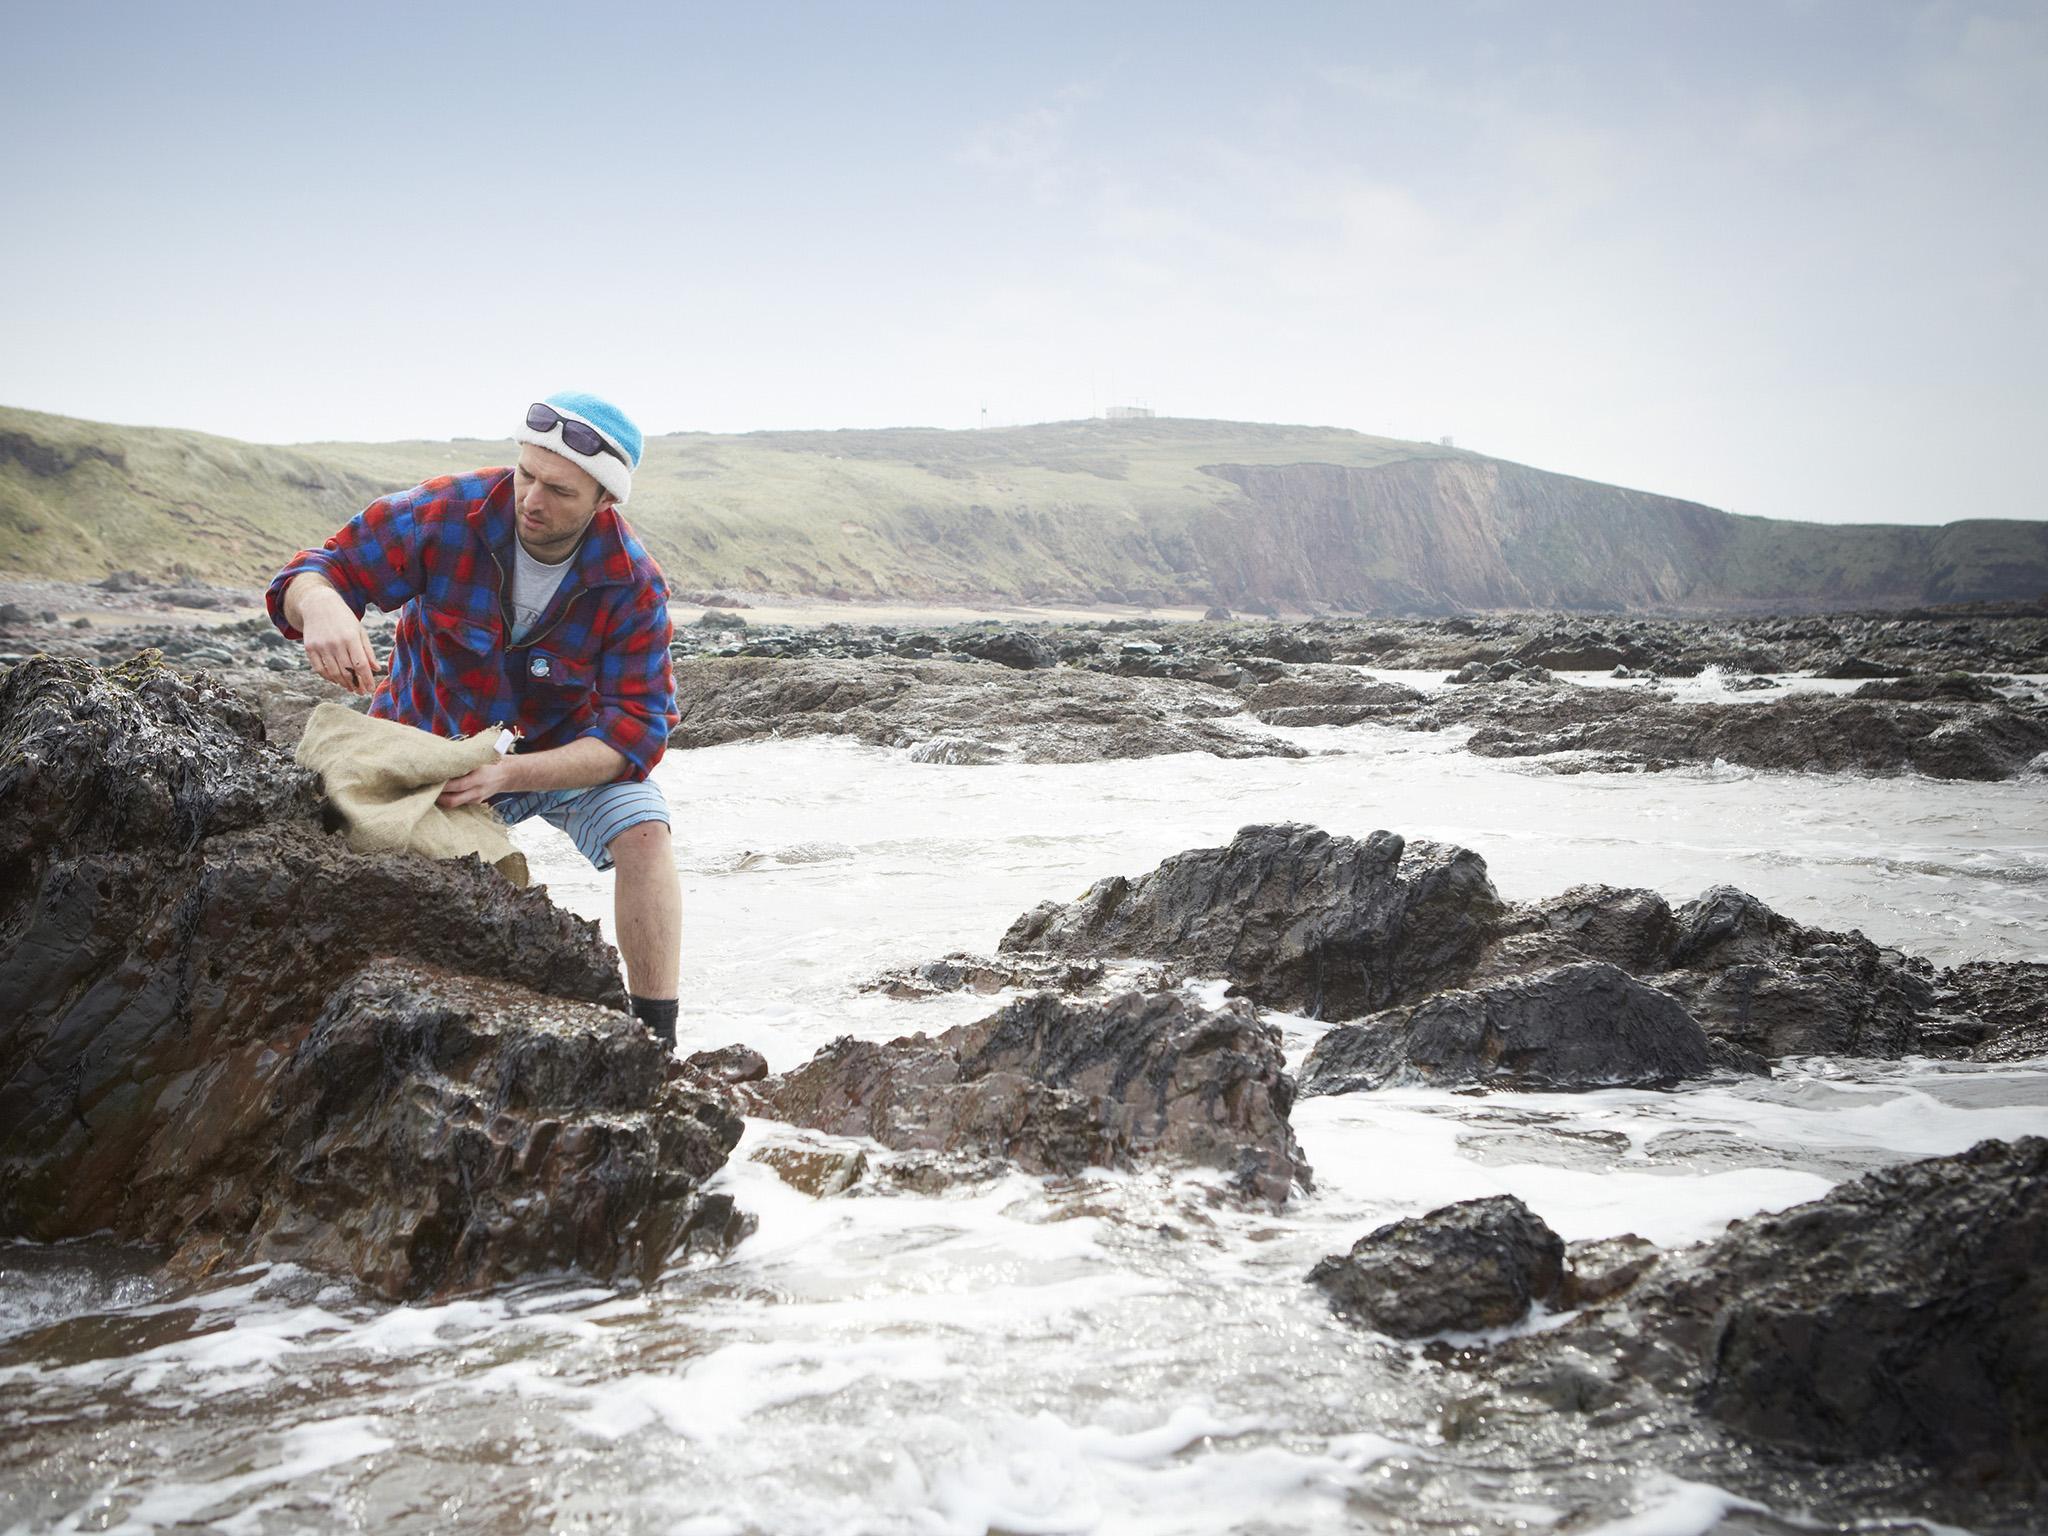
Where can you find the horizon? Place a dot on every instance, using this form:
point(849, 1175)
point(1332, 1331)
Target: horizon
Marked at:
point(1781, 257)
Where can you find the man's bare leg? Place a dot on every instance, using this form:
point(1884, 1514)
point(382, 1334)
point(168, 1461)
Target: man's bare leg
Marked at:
point(647, 912)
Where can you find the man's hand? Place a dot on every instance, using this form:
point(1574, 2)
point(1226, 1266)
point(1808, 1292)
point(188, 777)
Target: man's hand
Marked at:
point(478, 784)
point(337, 645)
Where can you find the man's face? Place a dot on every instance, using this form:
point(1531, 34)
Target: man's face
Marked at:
point(555, 500)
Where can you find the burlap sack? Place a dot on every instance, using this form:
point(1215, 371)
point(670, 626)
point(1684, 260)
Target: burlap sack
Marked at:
point(382, 778)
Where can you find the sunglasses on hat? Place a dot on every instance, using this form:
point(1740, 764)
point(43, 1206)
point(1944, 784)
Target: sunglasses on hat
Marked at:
point(576, 436)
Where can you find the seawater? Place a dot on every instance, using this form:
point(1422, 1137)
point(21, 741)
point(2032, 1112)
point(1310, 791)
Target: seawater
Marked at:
point(1107, 1353)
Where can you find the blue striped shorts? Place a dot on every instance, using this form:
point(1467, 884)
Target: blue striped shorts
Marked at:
point(593, 817)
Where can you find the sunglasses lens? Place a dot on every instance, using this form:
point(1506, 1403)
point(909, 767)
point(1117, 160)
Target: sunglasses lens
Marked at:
point(576, 437)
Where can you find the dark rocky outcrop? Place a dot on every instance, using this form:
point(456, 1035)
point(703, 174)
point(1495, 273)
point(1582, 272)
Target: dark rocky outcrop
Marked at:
point(1754, 979)
point(1879, 1349)
point(946, 712)
point(1890, 1330)
point(1922, 687)
point(1801, 733)
point(228, 1035)
point(1468, 1267)
point(2002, 1006)
point(1579, 1026)
point(1016, 648)
point(1333, 927)
point(1598, 985)
point(1768, 984)
point(1328, 695)
point(1629, 927)
point(1901, 1314)
point(1054, 1086)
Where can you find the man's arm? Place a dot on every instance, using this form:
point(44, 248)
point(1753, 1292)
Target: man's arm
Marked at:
point(373, 558)
point(582, 763)
point(337, 645)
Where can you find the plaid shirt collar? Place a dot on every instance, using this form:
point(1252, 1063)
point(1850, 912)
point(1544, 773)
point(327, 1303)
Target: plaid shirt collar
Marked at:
point(602, 559)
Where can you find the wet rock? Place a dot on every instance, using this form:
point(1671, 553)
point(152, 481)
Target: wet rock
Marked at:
point(1054, 1086)
point(816, 1170)
point(962, 972)
point(1899, 1315)
point(229, 1036)
point(1631, 928)
point(1009, 648)
point(1600, 1269)
point(1761, 981)
point(1880, 1349)
point(986, 713)
point(1334, 927)
point(1958, 687)
point(730, 1063)
point(433, 1135)
point(2007, 1003)
point(1803, 733)
point(1849, 667)
point(1578, 653)
point(1463, 1268)
point(1576, 1027)
point(1328, 696)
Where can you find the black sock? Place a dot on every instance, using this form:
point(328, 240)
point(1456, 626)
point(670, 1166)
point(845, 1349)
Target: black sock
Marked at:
point(659, 1015)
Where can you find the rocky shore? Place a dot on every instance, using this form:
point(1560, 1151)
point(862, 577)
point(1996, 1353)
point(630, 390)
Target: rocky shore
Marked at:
point(236, 1041)
point(1937, 693)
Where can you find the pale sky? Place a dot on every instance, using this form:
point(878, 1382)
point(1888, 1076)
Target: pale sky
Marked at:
point(1785, 257)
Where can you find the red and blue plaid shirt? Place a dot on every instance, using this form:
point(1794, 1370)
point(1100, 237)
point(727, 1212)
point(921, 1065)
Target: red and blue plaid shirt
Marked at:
point(441, 555)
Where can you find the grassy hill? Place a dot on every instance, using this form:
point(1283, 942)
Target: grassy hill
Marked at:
point(1148, 511)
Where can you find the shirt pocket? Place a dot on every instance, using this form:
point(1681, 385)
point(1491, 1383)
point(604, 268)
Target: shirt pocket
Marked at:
point(454, 634)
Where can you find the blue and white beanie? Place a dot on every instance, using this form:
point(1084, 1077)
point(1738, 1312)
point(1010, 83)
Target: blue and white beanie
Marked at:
point(609, 422)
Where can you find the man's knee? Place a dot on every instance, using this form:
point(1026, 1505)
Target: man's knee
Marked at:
point(642, 843)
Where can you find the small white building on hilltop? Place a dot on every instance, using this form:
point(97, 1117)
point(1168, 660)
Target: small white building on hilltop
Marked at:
point(1127, 413)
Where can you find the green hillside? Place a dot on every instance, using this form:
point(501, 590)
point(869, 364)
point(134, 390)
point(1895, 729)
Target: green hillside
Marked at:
point(1148, 511)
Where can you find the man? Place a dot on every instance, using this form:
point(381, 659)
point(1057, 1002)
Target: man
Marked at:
point(524, 600)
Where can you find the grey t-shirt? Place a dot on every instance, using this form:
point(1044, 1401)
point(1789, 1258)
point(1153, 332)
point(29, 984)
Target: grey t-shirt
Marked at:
point(533, 584)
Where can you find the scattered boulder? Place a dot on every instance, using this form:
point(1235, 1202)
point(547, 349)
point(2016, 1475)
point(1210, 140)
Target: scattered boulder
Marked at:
point(1576, 1027)
point(229, 1036)
point(1328, 695)
point(1014, 648)
point(1464, 1268)
point(730, 1064)
point(1054, 1086)
point(1334, 927)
